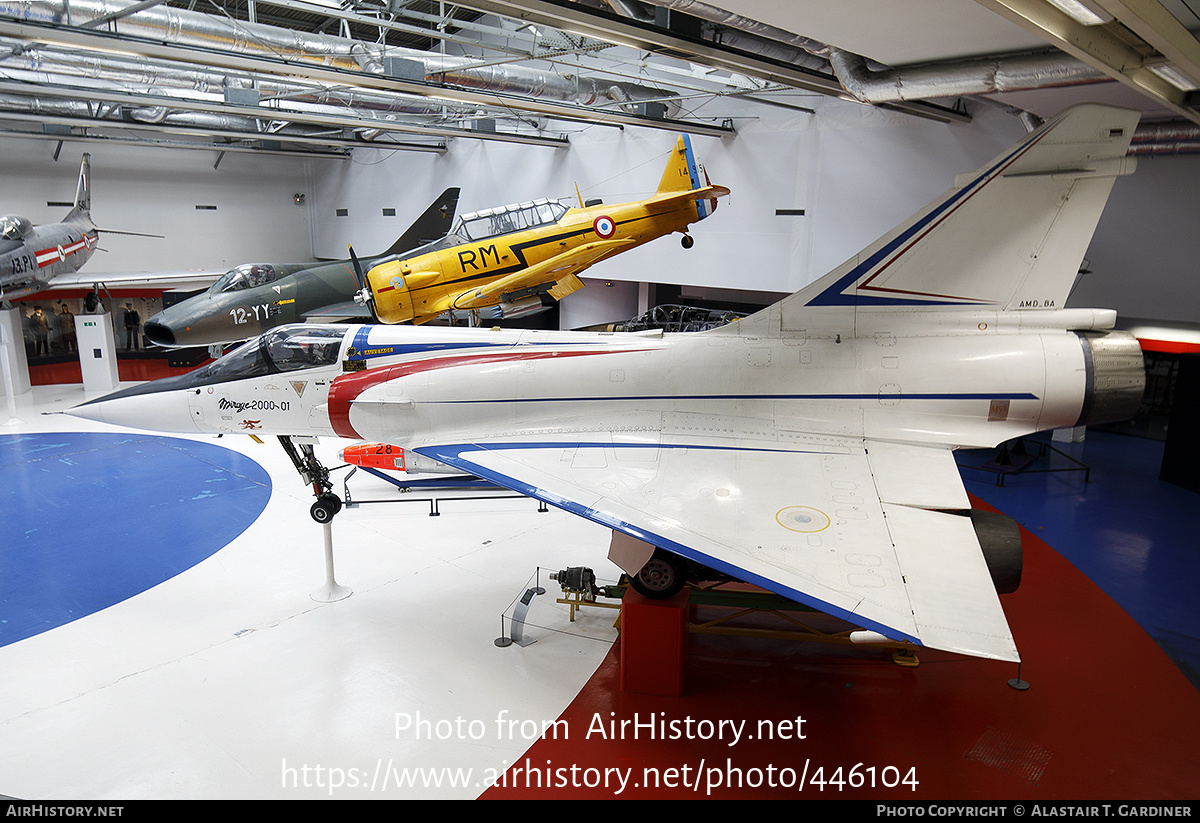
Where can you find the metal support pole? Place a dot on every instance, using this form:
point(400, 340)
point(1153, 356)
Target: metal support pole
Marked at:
point(331, 591)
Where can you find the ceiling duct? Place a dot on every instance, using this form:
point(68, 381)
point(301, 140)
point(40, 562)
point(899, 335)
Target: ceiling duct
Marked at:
point(1175, 137)
point(957, 79)
point(194, 28)
point(738, 32)
point(105, 91)
point(869, 84)
point(38, 66)
point(93, 114)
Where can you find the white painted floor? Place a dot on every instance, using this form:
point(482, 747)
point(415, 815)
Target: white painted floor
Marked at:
point(229, 681)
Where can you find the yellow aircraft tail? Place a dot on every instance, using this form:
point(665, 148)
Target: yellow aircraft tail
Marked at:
point(682, 173)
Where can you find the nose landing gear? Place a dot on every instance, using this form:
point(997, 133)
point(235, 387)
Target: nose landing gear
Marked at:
point(323, 510)
point(311, 471)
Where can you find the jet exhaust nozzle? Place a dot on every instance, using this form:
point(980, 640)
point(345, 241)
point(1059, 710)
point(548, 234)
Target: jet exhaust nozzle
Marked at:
point(1116, 377)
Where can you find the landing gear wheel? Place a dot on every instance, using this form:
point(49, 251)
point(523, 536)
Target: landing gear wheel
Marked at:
point(325, 508)
point(662, 577)
point(687, 241)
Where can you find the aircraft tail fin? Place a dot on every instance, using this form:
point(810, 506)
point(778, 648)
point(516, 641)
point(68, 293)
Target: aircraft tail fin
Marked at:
point(1008, 236)
point(683, 174)
point(431, 225)
point(83, 193)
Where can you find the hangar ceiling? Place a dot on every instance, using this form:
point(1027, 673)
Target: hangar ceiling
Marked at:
point(322, 77)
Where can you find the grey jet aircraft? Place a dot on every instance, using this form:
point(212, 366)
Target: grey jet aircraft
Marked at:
point(37, 258)
point(33, 257)
point(255, 297)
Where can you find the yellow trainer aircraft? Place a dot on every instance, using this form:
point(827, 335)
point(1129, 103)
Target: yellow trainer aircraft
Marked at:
point(516, 257)
point(502, 262)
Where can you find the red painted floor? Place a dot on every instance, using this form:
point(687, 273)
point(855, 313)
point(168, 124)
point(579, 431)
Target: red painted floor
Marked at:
point(128, 369)
point(1107, 716)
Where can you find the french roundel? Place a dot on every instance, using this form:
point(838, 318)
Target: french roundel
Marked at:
point(605, 226)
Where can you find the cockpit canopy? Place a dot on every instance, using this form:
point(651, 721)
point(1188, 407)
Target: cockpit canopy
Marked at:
point(285, 349)
point(506, 219)
point(245, 276)
point(14, 227)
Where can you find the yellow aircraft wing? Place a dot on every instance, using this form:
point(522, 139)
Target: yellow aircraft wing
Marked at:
point(550, 270)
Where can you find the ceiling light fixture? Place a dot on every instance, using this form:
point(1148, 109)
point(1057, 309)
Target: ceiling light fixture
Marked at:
point(1085, 12)
point(1175, 77)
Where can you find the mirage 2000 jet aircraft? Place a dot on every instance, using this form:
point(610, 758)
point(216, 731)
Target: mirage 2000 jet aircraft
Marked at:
point(807, 448)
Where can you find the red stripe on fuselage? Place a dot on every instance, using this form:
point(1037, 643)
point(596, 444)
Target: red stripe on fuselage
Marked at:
point(348, 387)
point(85, 242)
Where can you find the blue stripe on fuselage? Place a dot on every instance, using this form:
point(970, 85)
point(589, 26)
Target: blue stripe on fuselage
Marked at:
point(869, 396)
point(364, 350)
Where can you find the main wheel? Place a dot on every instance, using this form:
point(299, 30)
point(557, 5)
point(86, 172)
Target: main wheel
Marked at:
point(687, 241)
point(663, 576)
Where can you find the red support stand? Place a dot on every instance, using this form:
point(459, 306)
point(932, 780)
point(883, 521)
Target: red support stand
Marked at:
point(653, 642)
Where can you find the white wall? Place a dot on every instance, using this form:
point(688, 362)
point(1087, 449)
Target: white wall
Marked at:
point(856, 171)
point(605, 301)
point(1145, 256)
point(156, 191)
point(875, 168)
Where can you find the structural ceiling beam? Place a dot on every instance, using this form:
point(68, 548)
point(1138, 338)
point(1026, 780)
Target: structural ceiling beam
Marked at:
point(1098, 46)
point(1151, 21)
point(260, 112)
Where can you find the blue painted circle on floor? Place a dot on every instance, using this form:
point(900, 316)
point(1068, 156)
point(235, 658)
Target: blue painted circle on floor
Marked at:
point(92, 519)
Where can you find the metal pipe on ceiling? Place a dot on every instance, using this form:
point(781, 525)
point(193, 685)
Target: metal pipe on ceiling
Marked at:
point(197, 28)
point(1173, 137)
point(960, 78)
point(874, 84)
point(46, 66)
point(99, 115)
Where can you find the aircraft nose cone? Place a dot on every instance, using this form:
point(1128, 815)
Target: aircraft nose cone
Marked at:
point(158, 334)
point(154, 411)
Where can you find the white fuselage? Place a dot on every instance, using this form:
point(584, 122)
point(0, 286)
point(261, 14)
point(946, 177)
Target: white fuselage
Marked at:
point(963, 383)
point(953, 391)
